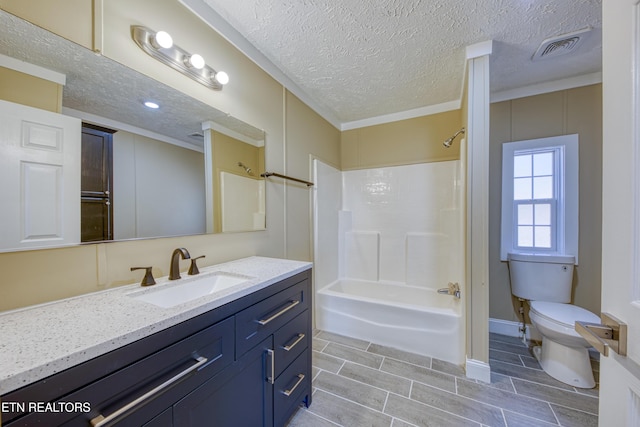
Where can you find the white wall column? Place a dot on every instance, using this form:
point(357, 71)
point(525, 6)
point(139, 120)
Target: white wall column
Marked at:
point(477, 245)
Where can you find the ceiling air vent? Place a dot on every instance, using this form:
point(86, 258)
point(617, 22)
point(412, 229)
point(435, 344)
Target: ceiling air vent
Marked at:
point(196, 135)
point(561, 45)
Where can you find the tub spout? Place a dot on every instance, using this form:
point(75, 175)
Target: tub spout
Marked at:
point(451, 289)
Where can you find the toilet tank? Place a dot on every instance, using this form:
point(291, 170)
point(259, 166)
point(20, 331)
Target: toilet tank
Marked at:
point(541, 277)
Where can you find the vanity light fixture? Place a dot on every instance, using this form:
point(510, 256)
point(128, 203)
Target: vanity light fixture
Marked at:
point(196, 61)
point(162, 39)
point(160, 46)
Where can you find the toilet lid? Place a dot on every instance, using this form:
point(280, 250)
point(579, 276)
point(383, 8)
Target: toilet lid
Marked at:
point(566, 314)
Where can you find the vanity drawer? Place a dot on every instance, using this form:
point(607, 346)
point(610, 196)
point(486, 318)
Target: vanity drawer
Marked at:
point(262, 319)
point(291, 388)
point(291, 340)
point(162, 378)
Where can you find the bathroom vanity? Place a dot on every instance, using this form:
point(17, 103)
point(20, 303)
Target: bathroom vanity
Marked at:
point(240, 356)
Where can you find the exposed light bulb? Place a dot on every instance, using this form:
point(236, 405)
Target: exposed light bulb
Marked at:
point(196, 61)
point(222, 77)
point(162, 39)
point(151, 105)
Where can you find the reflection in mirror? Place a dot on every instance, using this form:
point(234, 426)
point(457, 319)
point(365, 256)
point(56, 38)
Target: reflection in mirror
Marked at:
point(158, 186)
point(238, 189)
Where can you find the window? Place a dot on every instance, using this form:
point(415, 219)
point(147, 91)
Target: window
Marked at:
point(540, 196)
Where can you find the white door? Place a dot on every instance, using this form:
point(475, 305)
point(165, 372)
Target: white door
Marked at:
point(39, 178)
point(620, 376)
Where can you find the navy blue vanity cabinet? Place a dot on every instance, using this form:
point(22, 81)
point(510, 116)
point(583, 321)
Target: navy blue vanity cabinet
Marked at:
point(136, 393)
point(240, 396)
point(285, 318)
point(246, 363)
point(272, 373)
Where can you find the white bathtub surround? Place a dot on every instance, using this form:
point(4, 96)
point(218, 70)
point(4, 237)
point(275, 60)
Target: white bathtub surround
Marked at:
point(242, 213)
point(399, 239)
point(408, 318)
point(414, 210)
point(429, 255)
point(327, 195)
point(361, 254)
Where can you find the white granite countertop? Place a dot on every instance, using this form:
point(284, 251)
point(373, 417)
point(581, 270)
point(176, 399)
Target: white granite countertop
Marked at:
point(38, 341)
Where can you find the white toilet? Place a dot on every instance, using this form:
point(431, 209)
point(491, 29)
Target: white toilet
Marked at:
point(545, 281)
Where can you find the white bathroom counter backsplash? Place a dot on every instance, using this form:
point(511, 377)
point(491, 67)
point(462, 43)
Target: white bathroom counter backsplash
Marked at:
point(41, 340)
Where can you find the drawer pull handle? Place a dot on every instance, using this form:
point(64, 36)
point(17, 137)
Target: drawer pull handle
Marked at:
point(280, 313)
point(295, 386)
point(100, 420)
point(272, 378)
point(293, 344)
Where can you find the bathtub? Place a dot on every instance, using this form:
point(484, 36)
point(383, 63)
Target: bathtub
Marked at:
point(409, 318)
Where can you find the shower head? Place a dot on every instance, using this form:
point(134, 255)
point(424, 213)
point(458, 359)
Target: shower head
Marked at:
point(447, 143)
point(246, 169)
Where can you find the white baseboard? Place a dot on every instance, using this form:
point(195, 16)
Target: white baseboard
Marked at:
point(512, 329)
point(478, 370)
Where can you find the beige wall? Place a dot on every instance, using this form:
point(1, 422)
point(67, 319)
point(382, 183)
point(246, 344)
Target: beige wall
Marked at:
point(565, 112)
point(71, 19)
point(31, 277)
point(29, 90)
point(306, 138)
point(416, 140)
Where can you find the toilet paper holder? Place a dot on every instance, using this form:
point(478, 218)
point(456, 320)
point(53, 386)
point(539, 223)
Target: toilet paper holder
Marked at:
point(610, 334)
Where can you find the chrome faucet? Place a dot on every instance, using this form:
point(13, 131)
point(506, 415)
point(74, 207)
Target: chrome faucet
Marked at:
point(174, 270)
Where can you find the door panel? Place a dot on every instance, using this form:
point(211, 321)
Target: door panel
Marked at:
point(620, 375)
point(40, 176)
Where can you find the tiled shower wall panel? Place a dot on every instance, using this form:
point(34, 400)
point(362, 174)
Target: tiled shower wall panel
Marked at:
point(413, 212)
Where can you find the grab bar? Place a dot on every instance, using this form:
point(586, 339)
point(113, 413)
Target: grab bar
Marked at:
point(268, 174)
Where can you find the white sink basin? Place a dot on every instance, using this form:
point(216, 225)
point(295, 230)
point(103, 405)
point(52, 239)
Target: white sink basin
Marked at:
point(188, 290)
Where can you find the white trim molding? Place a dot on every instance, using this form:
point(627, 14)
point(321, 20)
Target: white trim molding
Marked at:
point(114, 124)
point(512, 329)
point(32, 70)
point(478, 370)
point(547, 87)
point(403, 115)
point(479, 49)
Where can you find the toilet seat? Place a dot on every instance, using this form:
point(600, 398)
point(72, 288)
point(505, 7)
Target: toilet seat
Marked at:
point(562, 314)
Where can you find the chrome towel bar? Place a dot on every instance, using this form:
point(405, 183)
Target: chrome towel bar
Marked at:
point(268, 174)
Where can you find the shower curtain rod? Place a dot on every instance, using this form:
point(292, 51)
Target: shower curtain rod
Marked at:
point(268, 174)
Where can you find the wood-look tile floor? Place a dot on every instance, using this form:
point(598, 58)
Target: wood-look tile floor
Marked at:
point(357, 383)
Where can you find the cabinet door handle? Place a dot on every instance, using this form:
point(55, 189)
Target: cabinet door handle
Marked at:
point(280, 313)
point(295, 386)
point(293, 344)
point(271, 354)
point(100, 420)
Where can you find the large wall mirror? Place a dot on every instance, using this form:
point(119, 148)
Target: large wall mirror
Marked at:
point(183, 168)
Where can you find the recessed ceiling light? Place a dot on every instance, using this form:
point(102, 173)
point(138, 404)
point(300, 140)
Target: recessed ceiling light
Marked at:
point(151, 105)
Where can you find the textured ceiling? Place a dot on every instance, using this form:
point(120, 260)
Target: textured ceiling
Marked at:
point(360, 59)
